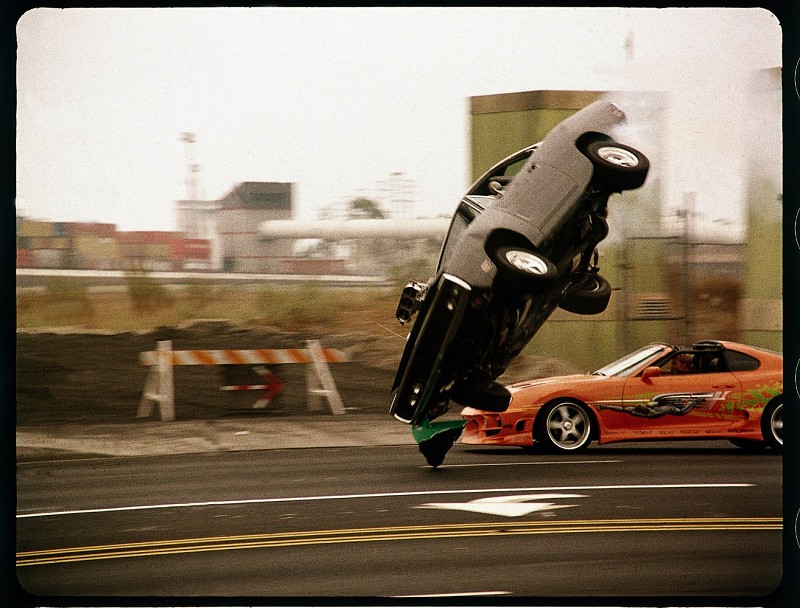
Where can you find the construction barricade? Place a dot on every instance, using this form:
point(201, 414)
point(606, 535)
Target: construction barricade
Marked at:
point(159, 386)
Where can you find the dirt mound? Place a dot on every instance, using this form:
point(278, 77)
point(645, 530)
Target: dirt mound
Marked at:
point(68, 376)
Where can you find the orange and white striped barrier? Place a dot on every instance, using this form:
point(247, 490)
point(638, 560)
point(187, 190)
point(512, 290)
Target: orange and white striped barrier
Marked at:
point(263, 356)
point(159, 387)
point(272, 386)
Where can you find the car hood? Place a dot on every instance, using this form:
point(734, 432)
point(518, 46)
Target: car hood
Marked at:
point(552, 381)
point(539, 390)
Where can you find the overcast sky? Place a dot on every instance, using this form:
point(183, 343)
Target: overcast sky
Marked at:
point(336, 100)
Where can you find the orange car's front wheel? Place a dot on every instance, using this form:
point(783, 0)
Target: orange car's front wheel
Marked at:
point(564, 426)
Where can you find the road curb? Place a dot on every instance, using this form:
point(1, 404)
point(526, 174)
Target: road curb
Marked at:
point(186, 437)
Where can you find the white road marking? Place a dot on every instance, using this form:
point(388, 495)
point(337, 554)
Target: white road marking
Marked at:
point(507, 506)
point(217, 503)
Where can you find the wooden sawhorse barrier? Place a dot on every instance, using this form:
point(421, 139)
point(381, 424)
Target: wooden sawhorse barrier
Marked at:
point(160, 389)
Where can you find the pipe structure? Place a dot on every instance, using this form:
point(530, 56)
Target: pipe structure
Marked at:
point(334, 230)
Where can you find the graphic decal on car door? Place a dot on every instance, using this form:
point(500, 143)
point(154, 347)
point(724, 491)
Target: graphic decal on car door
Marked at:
point(672, 404)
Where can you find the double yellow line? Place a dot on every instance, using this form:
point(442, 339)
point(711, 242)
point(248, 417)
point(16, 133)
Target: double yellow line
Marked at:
point(383, 534)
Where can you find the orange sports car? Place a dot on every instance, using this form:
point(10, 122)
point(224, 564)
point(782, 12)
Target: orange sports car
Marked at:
point(709, 390)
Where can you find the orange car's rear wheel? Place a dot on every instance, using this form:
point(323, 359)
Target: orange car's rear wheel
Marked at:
point(564, 426)
point(772, 424)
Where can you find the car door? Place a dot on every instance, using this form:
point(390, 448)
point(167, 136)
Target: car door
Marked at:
point(662, 403)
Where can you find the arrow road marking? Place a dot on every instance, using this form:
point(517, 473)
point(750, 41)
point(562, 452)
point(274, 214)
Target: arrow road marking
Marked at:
point(507, 506)
point(287, 499)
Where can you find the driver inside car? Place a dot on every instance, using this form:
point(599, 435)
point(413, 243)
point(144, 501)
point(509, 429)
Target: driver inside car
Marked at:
point(682, 364)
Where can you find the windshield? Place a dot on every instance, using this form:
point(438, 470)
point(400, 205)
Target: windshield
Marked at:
point(463, 216)
point(630, 363)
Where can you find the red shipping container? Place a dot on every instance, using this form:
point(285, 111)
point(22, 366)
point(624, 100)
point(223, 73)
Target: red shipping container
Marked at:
point(25, 258)
point(190, 249)
point(89, 229)
point(148, 237)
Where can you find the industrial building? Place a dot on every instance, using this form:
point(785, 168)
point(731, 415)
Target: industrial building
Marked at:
point(231, 224)
point(211, 236)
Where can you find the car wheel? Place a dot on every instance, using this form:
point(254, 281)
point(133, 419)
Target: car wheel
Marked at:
point(590, 296)
point(564, 426)
point(772, 424)
point(617, 166)
point(522, 263)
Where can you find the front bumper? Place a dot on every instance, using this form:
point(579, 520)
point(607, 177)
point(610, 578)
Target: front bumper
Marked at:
point(422, 380)
point(488, 428)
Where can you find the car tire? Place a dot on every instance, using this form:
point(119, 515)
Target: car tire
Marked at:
point(590, 296)
point(522, 264)
point(564, 426)
point(617, 166)
point(772, 424)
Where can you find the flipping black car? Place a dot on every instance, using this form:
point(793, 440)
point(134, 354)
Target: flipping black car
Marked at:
point(521, 243)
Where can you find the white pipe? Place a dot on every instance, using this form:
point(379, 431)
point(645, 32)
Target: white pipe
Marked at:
point(354, 229)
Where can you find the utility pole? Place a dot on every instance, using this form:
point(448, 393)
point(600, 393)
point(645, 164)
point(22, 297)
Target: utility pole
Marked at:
point(192, 167)
point(399, 189)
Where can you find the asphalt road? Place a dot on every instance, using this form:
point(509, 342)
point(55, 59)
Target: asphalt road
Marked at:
point(673, 520)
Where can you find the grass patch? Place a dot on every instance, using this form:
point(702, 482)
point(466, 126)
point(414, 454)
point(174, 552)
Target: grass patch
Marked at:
point(142, 303)
point(146, 294)
point(63, 302)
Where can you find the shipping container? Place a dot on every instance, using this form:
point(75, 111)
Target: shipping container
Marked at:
point(148, 237)
point(95, 246)
point(25, 258)
point(61, 242)
point(190, 249)
point(38, 242)
point(35, 228)
point(89, 229)
point(48, 258)
point(157, 251)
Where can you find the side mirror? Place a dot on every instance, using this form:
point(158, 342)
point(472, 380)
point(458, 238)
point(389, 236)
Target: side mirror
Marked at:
point(651, 372)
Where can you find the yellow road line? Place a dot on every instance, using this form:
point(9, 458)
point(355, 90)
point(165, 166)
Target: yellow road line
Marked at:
point(383, 534)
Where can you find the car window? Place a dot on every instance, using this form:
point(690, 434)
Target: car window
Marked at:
point(462, 218)
point(512, 169)
point(739, 362)
point(704, 361)
point(628, 364)
point(507, 168)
